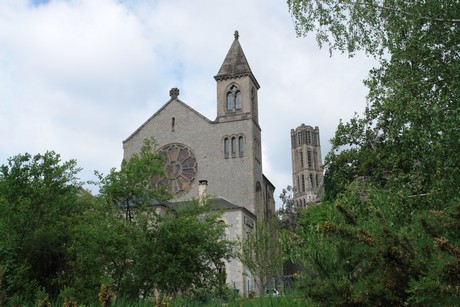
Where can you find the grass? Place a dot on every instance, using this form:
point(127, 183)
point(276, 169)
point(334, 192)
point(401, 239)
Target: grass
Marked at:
point(265, 301)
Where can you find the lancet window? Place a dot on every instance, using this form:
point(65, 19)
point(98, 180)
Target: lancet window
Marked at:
point(233, 99)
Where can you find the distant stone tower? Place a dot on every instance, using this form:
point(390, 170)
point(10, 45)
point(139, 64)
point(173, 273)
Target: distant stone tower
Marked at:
point(307, 168)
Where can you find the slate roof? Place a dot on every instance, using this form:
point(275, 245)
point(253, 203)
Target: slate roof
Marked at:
point(217, 203)
point(235, 63)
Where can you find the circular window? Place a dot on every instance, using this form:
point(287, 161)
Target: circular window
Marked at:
point(181, 168)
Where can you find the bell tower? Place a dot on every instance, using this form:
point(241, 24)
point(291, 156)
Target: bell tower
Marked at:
point(307, 168)
point(236, 87)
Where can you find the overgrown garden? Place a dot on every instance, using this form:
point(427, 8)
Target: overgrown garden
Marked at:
point(386, 233)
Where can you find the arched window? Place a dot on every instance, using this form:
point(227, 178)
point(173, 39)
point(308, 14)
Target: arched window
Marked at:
point(303, 183)
point(233, 99)
point(238, 100)
point(253, 103)
point(314, 158)
point(226, 147)
point(233, 145)
point(257, 150)
point(230, 101)
point(241, 145)
point(309, 159)
point(173, 124)
point(222, 225)
point(258, 193)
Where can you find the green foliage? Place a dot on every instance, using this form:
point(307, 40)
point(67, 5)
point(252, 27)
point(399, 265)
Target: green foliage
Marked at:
point(135, 184)
point(113, 237)
point(374, 26)
point(58, 242)
point(39, 200)
point(408, 134)
point(140, 243)
point(386, 249)
point(261, 252)
point(67, 296)
point(192, 250)
point(104, 243)
point(289, 212)
point(42, 298)
point(272, 301)
point(262, 301)
point(389, 233)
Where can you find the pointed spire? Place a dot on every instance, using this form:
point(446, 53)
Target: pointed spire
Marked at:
point(235, 63)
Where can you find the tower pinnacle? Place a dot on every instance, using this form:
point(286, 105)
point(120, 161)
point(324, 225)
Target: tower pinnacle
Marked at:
point(235, 64)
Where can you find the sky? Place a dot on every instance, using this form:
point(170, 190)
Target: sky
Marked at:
point(79, 76)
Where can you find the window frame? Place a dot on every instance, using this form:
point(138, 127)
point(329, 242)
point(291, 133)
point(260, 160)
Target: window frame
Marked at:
point(226, 147)
point(233, 99)
point(233, 144)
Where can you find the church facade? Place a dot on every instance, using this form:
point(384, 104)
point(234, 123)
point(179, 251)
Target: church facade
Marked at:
point(221, 156)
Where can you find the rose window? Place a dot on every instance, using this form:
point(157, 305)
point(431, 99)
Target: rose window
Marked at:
point(180, 167)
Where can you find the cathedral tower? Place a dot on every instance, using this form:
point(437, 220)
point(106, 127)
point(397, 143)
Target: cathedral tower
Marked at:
point(307, 169)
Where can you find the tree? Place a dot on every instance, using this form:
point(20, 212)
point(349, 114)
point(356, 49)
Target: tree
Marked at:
point(58, 240)
point(290, 209)
point(408, 133)
point(40, 200)
point(104, 244)
point(261, 253)
point(135, 184)
point(390, 231)
point(190, 250)
point(121, 224)
point(141, 243)
point(373, 252)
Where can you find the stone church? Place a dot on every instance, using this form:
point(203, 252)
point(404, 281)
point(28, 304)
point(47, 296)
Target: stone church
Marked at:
point(221, 156)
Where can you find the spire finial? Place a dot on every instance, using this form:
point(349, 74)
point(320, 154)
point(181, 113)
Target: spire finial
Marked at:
point(236, 34)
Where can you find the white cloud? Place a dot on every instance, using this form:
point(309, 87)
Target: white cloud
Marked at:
point(79, 76)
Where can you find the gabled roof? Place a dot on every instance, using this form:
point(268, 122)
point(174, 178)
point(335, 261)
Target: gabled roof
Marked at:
point(235, 64)
point(217, 203)
point(220, 203)
point(173, 98)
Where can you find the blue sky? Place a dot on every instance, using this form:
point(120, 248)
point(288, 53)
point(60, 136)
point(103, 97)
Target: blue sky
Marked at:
point(39, 2)
point(79, 76)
